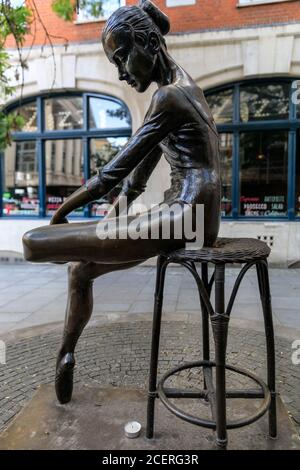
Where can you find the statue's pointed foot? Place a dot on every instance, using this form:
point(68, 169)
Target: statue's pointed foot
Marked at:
point(64, 378)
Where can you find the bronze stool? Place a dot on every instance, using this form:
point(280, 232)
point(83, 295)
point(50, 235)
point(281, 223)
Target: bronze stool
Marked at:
point(248, 252)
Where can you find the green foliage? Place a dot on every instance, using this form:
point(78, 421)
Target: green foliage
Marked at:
point(8, 123)
point(5, 89)
point(66, 8)
point(13, 21)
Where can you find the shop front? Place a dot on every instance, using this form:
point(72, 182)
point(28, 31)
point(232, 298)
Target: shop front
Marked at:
point(259, 126)
point(77, 119)
point(64, 141)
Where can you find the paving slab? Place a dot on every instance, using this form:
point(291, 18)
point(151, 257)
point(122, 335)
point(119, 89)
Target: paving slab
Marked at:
point(96, 417)
point(40, 292)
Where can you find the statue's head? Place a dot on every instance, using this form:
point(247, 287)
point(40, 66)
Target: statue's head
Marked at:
point(133, 39)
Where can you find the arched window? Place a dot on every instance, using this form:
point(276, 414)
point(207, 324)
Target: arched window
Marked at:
point(64, 141)
point(259, 125)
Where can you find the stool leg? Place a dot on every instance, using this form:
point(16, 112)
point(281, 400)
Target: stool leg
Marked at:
point(219, 323)
point(158, 301)
point(205, 321)
point(205, 315)
point(264, 288)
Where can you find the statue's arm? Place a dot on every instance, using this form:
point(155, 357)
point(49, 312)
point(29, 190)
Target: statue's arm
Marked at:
point(160, 121)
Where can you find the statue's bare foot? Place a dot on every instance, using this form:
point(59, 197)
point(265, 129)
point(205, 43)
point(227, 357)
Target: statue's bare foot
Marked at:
point(64, 378)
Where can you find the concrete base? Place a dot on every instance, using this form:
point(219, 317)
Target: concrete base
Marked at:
point(96, 417)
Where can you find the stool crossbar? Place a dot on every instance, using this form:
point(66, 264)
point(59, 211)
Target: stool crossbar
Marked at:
point(246, 251)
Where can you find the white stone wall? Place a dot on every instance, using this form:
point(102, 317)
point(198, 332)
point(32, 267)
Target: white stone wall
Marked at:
point(211, 58)
point(282, 237)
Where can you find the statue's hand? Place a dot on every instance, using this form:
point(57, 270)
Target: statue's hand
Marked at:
point(58, 220)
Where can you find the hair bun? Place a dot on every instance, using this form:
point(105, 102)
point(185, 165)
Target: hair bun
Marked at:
point(159, 18)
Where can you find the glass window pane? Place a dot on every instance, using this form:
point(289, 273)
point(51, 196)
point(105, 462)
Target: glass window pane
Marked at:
point(263, 173)
point(106, 114)
point(262, 102)
point(63, 113)
point(92, 11)
point(29, 114)
point(226, 152)
point(20, 188)
point(17, 3)
point(101, 152)
point(64, 172)
point(221, 105)
point(298, 175)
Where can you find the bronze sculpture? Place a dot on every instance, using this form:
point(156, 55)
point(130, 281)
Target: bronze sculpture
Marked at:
point(178, 124)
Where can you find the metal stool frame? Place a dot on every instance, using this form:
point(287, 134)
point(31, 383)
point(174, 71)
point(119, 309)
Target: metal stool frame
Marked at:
point(219, 319)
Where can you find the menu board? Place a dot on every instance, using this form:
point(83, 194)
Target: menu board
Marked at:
point(53, 202)
point(268, 205)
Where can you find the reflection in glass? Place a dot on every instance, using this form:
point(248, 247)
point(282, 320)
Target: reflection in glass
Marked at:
point(260, 102)
point(106, 114)
point(63, 113)
point(92, 11)
point(29, 114)
point(296, 96)
point(298, 174)
point(64, 172)
point(20, 188)
point(226, 149)
point(263, 173)
point(221, 105)
point(101, 152)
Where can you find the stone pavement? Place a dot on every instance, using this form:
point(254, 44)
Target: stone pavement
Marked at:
point(117, 354)
point(114, 349)
point(32, 295)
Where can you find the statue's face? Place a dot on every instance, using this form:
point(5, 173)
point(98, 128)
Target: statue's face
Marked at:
point(135, 62)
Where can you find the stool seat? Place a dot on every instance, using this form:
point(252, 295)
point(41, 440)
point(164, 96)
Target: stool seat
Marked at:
point(225, 250)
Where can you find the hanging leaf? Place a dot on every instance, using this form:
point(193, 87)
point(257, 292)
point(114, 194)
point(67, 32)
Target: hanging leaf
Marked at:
point(64, 9)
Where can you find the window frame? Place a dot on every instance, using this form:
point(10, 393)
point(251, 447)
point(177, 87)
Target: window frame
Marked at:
point(179, 3)
point(252, 3)
point(42, 135)
point(237, 127)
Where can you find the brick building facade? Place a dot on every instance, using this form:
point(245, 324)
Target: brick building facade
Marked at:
point(200, 15)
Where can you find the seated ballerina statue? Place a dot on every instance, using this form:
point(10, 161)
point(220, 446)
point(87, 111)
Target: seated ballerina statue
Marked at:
point(179, 125)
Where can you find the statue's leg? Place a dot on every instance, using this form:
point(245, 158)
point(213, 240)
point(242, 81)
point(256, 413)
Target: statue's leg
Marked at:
point(108, 241)
point(78, 312)
point(93, 256)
